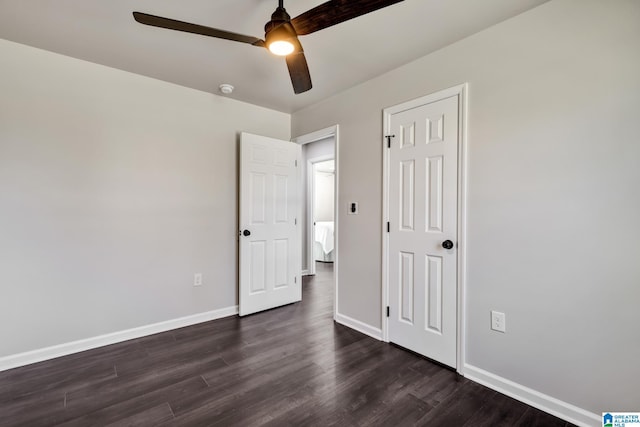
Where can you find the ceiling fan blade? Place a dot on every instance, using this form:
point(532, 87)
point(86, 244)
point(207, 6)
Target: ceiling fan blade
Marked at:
point(299, 72)
point(334, 12)
point(172, 24)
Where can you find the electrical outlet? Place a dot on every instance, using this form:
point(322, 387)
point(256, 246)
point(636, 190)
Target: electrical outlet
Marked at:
point(197, 279)
point(498, 321)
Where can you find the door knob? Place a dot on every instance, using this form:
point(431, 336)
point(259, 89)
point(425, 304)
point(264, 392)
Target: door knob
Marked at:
point(246, 233)
point(447, 244)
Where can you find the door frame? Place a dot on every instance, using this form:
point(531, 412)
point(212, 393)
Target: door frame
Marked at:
point(461, 91)
point(311, 209)
point(331, 131)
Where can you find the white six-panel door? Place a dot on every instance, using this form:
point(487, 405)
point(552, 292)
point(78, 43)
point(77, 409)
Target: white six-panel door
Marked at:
point(422, 201)
point(270, 261)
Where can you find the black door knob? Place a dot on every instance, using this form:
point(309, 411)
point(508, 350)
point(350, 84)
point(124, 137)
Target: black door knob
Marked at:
point(447, 244)
point(246, 233)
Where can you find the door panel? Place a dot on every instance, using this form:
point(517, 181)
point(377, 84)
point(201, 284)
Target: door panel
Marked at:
point(434, 186)
point(281, 264)
point(257, 262)
point(406, 287)
point(407, 194)
point(258, 195)
point(423, 175)
point(434, 293)
point(269, 236)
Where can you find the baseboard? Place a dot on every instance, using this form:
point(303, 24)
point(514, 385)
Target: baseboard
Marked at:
point(305, 273)
point(551, 405)
point(359, 326)
point(21, 359)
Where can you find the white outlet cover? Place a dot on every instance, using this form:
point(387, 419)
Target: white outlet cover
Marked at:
point(197, 279)
point(498, 321)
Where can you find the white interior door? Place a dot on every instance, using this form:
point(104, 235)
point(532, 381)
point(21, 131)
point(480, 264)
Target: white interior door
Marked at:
point(270, 260)
point(423, 173)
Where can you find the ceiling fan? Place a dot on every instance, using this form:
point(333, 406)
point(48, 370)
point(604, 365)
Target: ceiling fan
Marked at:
point(281, 32)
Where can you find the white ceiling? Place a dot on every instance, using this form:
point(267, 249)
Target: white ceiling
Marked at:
point(104, 32)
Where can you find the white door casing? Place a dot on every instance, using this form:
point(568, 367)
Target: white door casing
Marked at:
point(422, 201)
point(269, 236)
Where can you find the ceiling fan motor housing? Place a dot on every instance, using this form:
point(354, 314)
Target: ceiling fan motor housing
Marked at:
point(279, 17)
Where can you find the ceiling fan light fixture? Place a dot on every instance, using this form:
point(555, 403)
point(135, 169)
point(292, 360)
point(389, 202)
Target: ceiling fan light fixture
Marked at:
point(281, 47)
point(280, 38)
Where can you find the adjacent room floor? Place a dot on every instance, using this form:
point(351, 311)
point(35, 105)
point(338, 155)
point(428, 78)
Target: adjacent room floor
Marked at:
point(291, 366)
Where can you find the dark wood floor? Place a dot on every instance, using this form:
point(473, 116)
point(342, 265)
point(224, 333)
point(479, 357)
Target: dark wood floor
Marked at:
point(291, 366)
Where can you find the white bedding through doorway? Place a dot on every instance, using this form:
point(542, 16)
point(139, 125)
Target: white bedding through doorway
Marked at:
point(324, 235)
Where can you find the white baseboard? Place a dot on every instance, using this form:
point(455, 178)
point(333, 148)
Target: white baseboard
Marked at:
point(305, 272)
point(21, 359)
point(551, 405)
point(359, 326)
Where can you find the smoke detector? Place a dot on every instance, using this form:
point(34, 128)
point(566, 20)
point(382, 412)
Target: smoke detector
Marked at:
point(226, 88)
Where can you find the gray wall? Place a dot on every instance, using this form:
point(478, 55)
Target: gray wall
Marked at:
point(114, 190)
point(324, 147)
point(553, 199)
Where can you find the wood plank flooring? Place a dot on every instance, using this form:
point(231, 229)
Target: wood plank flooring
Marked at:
point(291, 366)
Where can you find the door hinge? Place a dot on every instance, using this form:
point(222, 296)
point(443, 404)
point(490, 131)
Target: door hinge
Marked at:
point(387, 311)
point(295, 221)
point(388, 227)
point(389, 140)
point(296, 163)
point(295, 279)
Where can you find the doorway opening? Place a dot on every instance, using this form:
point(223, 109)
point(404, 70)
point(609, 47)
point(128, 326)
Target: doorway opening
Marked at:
point(320, 244)
point(319, 219)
